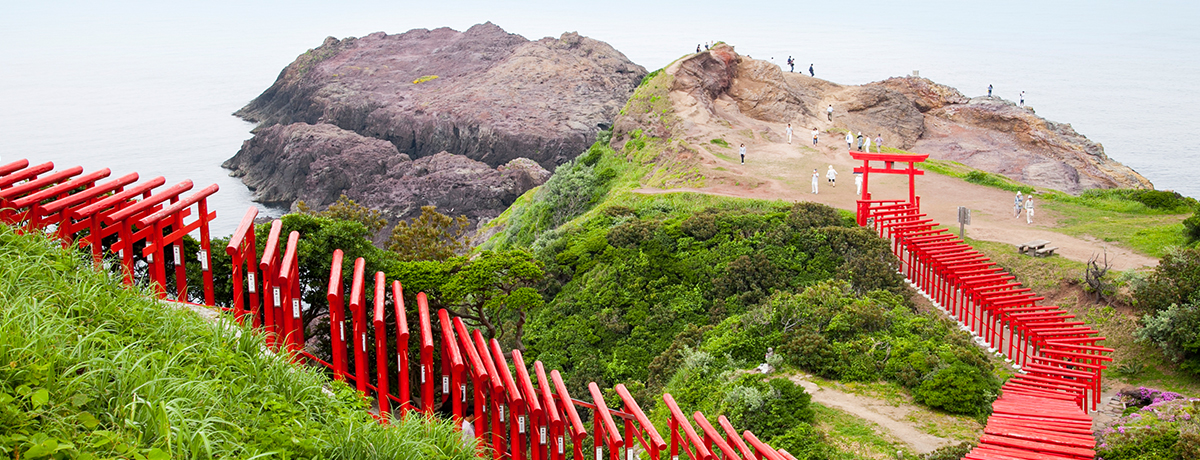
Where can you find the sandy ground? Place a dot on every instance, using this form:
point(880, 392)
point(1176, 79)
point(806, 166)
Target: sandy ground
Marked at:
point(777, 170)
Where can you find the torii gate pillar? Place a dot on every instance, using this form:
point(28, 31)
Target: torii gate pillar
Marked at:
point(888, 167)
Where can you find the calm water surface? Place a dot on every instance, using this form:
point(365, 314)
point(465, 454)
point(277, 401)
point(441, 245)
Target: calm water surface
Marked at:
point(149, 86)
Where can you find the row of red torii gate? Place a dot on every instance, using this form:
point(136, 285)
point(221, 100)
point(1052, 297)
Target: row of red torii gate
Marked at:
point(519, 414)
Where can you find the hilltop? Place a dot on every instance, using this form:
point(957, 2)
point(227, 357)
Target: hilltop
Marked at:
point(709, 103)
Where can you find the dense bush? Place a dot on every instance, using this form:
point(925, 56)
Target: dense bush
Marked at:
point(775, 409)
point(624, 283)
point(1176, 280)
point(828, 330)
point(1176, 331)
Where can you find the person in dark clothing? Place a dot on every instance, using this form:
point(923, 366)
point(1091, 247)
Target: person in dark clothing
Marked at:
point(810, 71)
point(989, 90)
point(697, 47)
point(791, 64)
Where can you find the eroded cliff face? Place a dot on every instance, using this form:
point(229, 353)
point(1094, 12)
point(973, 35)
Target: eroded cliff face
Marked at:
point(718, 92)
point(497, 96)
point(318, 163)
point(350, 111)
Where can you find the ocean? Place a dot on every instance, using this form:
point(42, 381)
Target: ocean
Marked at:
point(150, 86)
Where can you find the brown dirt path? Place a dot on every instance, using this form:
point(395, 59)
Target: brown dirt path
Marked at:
point(890, 417)
point(776, 170)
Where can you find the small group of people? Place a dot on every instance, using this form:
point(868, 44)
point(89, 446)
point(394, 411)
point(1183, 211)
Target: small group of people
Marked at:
point(1026, 204)
point(831, 178)
point(864, 142)
point(788, 131)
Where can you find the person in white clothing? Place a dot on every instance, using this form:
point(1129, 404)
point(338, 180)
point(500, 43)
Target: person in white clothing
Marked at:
point(814, 133)
point(1029, 209)
point(829, 111)
point(816, 178)
point(857, 185)
point(849, 140)
point(1017, 204)
point(832, 176)
point(867, 143)
point(789, 133)
point(879, 143)
point(742, 152)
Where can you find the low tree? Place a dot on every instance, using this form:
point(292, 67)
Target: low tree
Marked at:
point(347, 209)
point(496, 290)
point(430, 236)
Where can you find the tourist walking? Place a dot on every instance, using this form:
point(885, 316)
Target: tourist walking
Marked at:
point(816, 178)
point(832, 176)
point(810, 71)
point(742, 152)
point(849, 140)
point(879, 143)
point(860, 141)
point(1017, 204)
point(829, 112)
point(867, 143)
point(814, 133)
point(857, 184)
point(1029, 209)
point(989, 90)
point(789, 133)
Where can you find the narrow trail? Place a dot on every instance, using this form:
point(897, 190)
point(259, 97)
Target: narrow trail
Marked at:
point(776, 170)
point(889, 416)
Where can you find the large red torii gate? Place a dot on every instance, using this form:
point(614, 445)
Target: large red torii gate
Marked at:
point(889, 160)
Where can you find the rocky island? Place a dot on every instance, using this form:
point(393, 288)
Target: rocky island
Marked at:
point(466, 121)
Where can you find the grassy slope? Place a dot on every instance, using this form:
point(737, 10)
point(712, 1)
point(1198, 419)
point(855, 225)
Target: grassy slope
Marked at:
point(91, 369)
point(1122, 221)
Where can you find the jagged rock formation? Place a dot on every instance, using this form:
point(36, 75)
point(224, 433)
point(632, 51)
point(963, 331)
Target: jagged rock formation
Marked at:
point(496, 97)
point(317, 163)
point(754, 98)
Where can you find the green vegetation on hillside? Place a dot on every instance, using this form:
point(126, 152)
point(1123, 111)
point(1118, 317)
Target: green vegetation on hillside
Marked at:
point(684, 293)
point(91, 369)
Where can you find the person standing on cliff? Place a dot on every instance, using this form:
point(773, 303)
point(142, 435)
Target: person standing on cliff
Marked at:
point(814, 133)
point(742, 152)
point(815, 179)
point(879, 143)
point(791, 64)
point(789, 133)
point(1029, 209)
point(832, 176)
point(810, 71)
point(1022, 99)
point(829, 112)
point(849, 140)
point(1017, 205)
point(697, 47)
point(989, 90)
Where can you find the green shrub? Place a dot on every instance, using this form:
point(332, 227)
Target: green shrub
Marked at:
point(1175, 330)
point(1175, 281)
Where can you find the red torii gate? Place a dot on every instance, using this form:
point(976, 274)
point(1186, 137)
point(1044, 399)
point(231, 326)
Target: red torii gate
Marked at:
point(889, 160)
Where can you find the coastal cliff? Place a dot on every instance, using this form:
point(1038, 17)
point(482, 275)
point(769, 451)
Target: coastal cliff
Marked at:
point(484, 94)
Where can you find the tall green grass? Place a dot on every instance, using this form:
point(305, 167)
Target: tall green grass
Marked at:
point(91, 369)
